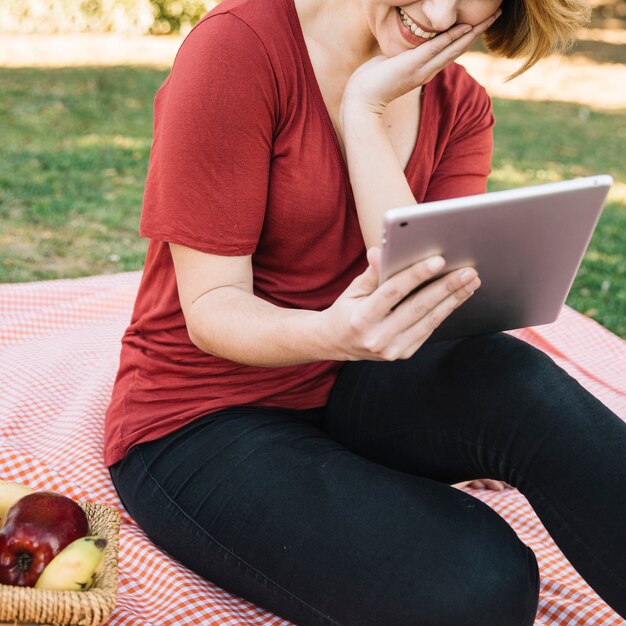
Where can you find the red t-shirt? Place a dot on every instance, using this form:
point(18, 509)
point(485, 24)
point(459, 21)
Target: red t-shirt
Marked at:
point(245, 161)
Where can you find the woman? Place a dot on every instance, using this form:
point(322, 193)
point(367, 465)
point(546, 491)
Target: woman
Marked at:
point(277, 423)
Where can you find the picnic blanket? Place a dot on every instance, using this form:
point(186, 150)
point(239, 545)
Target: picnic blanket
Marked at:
point(59, 351)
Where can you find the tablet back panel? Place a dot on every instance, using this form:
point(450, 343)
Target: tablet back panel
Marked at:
point(526, 244)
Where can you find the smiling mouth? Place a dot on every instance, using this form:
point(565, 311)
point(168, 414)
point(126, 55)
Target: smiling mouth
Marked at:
point(414, 28)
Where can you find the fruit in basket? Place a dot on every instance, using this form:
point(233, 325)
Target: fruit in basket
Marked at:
point(75, 567)
point(10, 493)
point(37, 527)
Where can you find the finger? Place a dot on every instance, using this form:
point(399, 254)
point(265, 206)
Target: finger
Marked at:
point(474, 484)
point(404, 71)
point(416, 335)
point(423, 62)
point(373, 258)
point(396, 288)
point(461, 485)
point(483, 26)
point(450, 48)
point(460, 284)
point(489, 483)
point(418, 65)
point(367, 282)
point(444, 40)
point(494, 485)
point(482, 483)
point(468, 32)
point(411, 63)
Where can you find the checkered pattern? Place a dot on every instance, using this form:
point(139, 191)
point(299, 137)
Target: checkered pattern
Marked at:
point(60, 343)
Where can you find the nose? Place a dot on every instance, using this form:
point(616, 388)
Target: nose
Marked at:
point(442, 14)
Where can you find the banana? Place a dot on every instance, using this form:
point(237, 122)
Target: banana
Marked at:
point(75, 567)
point(10, 493)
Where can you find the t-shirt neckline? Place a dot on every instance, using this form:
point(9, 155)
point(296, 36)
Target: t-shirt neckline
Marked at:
point(296, 28)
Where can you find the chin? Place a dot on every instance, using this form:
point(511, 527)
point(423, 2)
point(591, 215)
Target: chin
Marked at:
point(393, 48)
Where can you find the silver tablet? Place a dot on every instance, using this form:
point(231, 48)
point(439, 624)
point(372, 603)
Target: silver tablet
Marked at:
point(526, 244)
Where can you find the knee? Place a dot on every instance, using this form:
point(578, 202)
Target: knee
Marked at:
point(517, 374)
point(501, 355)
point(505, 590)
point(478, 583)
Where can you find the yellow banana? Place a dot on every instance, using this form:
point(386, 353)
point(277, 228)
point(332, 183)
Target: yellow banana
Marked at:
point(10, 493)
point(75, 567)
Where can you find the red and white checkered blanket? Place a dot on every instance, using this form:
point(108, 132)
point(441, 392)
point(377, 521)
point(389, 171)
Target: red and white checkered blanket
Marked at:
point(60, 343)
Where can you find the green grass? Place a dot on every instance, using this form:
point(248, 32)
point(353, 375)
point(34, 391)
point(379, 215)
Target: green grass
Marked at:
point(539, 142)
point(73, 161)
point(74, 154)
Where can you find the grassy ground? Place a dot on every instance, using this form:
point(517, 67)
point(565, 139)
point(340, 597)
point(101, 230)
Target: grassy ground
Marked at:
point(539, 142)
point(75, 147)
point(73, 160)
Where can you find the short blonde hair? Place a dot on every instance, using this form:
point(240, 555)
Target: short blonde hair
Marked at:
point(536, 28)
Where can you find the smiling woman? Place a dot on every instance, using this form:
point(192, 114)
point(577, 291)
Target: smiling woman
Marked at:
point(279, 422)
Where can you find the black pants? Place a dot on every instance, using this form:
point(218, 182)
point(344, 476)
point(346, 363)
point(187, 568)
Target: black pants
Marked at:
point(345, 514)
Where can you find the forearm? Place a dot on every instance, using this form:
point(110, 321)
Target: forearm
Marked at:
point(234, 324)
point(377, 179)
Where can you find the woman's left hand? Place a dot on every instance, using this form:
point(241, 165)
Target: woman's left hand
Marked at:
point(484, 483)
point(381, 80)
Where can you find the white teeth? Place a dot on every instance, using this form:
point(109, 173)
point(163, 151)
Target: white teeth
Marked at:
point(406, 20)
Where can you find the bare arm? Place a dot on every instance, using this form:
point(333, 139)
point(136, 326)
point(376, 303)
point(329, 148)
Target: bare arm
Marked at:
point(376, 176)
point(226, 319)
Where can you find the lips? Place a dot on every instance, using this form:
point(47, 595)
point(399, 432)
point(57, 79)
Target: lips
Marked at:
point(409, 36)
point(422, 31)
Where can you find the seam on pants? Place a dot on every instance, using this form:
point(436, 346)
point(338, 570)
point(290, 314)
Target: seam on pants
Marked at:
point(326, 425)
point(238, 558)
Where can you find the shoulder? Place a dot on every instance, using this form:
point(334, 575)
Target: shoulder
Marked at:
point(454, 83)
point(460, 100)
point(240, 28)
point(220, 36)
point(224, 57)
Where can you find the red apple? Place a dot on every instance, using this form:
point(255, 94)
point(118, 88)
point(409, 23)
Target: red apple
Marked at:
point(37, 527)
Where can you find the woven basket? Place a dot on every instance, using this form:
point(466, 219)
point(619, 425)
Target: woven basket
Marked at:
point(20, 605)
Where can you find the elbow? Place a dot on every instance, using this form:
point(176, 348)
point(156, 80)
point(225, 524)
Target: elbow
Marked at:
point(196, 330)
point(197, 340)
point(210, 323)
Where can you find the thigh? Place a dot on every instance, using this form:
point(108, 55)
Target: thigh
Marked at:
point(496, 407)
point(483, 407)
point(271, 508)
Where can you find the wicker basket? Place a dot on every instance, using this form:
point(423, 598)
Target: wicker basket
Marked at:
point(20, 605)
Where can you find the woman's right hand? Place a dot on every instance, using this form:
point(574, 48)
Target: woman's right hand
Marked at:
point(380, 80)
point(366, 326)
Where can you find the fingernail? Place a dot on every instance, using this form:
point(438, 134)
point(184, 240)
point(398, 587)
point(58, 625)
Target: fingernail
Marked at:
point(466, 29)
point(467, 275)
point(473, 285)
point(497, 15)
point(435, 263)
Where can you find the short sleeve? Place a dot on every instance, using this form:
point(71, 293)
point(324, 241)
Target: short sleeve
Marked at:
point(465, 164)
point(214, 116)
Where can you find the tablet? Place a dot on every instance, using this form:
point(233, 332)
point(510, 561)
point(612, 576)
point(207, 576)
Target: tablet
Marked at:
point(526, 244)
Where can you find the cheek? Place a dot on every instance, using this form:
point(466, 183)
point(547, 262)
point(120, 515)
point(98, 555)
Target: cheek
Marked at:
point(475, 12)
point(388, 35)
